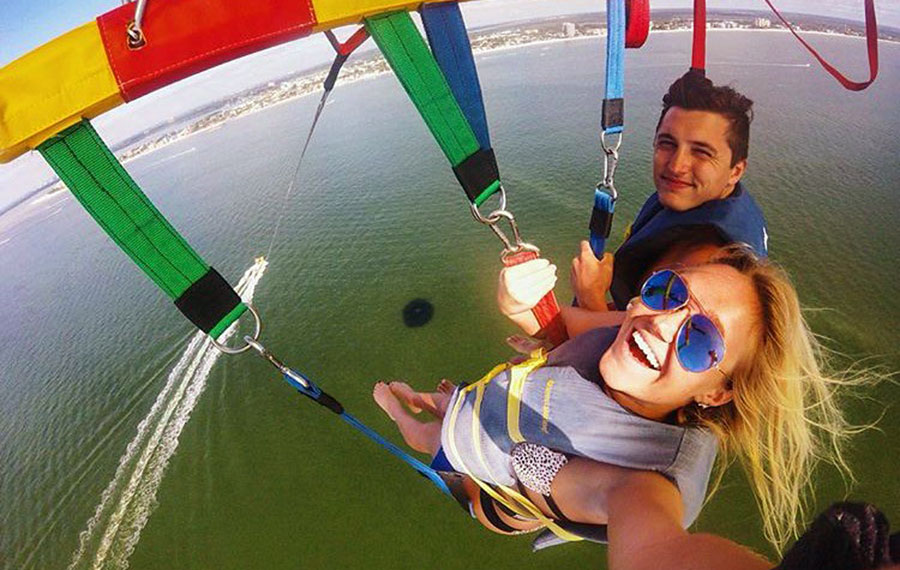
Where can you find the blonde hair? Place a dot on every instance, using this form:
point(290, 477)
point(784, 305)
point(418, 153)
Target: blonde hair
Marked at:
point(784, 417)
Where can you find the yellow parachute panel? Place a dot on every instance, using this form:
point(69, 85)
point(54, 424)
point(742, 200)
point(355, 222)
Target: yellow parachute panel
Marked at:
point(81, 85)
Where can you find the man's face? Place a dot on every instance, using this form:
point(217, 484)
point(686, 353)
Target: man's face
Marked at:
point(692, 159)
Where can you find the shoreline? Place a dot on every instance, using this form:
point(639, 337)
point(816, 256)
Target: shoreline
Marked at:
point(294, 88)
point(317, 77)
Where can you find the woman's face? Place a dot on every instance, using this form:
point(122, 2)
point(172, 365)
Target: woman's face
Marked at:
point(727, 298)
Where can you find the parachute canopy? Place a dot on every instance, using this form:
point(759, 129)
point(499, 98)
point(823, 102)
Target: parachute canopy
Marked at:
point(91, 69)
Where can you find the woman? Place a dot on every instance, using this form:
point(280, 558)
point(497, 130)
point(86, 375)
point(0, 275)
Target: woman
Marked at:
point(715, 350)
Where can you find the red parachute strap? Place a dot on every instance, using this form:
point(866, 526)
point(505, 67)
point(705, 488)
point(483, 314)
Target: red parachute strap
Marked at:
point(698, 53)
point(353, 42)
point(637, 22)
point(547, 310)
point(871, 45)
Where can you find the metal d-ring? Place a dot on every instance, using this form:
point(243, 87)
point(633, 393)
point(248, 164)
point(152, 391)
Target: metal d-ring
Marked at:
point(247, 345)
point(136, 39)
point(611, 148)
point(491, 219)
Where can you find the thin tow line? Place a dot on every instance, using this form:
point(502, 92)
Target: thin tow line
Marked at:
point(290, 189)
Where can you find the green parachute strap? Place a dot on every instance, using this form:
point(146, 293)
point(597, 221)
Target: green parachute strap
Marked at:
point(94, 176)
point(421, 77)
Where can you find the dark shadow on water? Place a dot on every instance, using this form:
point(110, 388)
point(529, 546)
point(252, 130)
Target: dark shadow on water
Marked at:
point(417, 313)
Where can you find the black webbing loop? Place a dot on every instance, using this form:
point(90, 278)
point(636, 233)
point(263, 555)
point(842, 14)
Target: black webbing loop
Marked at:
point(613, 113)
point(477, 172)
point(208, 300)
point(601, 222)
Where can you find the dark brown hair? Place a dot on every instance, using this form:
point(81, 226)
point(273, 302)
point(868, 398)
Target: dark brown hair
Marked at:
point(693, 91)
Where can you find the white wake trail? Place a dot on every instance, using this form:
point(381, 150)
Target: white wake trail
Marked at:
point(127, 502)
point(172, 157)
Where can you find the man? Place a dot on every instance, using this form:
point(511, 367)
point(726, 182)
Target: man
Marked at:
point(699, 156)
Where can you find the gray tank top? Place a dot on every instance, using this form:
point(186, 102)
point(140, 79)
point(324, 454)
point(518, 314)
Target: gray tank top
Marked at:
point(565, 409)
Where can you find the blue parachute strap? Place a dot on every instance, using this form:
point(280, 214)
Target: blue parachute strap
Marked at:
point(446, 32)
point(612, 121)
point(601, 221)
point(312, 391)
point(410, 460)
point(613, 104)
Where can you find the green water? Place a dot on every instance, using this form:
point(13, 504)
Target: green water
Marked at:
point(263, 479)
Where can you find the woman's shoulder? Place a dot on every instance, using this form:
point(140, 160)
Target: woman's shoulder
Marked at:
point(584, 351)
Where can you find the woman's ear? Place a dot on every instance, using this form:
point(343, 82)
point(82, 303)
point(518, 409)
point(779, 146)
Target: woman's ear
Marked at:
point(717, 397)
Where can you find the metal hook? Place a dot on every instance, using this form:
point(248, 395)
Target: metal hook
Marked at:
point(274, 361)
point(610, 162)
point(509, 246)
point(493, 220)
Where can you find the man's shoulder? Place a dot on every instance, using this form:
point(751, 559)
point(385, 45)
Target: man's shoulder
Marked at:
point(737, 217)
point(739, 200)
point(741, 195)
point(741, 208)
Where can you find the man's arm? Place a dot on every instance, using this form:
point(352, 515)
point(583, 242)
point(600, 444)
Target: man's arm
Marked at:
point(580, 320)
point(591, 278)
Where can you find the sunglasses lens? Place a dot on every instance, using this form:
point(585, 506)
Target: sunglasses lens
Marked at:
point(664, 291)
point(699, 344)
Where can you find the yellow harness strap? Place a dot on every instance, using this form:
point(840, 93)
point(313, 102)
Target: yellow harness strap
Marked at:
point(517, 376)
point(508, 497)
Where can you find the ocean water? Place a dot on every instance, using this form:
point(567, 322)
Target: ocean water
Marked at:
point(122, 444)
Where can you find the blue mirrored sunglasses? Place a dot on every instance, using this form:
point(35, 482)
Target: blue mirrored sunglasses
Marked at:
point(699, 344)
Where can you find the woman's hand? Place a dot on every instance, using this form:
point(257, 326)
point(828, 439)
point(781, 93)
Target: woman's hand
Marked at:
point(519, 289)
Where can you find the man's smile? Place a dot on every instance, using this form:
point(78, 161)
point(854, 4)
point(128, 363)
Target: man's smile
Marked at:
point(675, 183)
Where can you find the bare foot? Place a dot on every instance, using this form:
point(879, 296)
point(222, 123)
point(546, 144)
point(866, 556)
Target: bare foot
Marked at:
point(387, 401)
point(424, 437)
point(407, 395)
point(446, 387)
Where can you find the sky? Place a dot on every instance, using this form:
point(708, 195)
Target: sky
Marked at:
point(27, 24)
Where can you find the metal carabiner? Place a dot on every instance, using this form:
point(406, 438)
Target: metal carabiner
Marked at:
point(500, 215)
point(493, 220)
point(274, 361)
point(610, 162)
point(509, 246)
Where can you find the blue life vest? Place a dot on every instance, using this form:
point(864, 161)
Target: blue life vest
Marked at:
point(736, 218)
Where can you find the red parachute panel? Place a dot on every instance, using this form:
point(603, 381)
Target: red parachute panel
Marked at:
point(189, 36)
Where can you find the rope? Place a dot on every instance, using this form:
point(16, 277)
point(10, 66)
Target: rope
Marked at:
point(343, 52)
point(871, 48)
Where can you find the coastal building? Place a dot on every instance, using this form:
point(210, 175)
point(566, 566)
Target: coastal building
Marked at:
point(569, 29)
point(762, 23)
